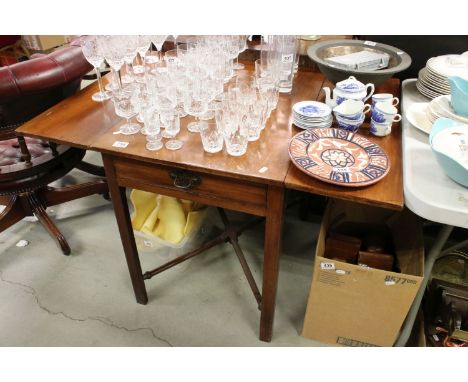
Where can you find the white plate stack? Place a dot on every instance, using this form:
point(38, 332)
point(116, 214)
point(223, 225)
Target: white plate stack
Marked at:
point(432, 80)
point(441, 107)
point(309, 114)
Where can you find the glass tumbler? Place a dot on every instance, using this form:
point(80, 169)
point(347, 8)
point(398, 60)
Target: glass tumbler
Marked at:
point(236, 138)
point(212, 139)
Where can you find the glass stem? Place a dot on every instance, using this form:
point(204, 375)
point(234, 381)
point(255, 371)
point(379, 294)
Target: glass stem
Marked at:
point(119, 79)
point(98, 76)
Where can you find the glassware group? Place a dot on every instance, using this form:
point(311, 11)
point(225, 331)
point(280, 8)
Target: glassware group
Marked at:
point(200, 77)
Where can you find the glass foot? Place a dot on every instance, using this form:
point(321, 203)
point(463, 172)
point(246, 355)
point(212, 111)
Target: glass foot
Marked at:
point(238, 66)
point(130, 128)
point(193, 127)
point(101, 97)
point(165, 134)
point(174, 144)
point(154, 146)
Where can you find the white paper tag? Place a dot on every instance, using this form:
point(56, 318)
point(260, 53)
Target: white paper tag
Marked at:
point(324, 265)
point(287, 58)
point(340, 271)
point(391, 282)
point(120, 145)
point(370, 43)
point(263, 170)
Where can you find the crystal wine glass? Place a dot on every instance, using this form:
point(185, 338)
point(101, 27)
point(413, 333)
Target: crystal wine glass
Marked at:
point(172, 127)
point(158, 41)
point(114, 55)
point(242, 45)
point(94, 54)
point(152, 129)
point(129, 45)
point(125, 107)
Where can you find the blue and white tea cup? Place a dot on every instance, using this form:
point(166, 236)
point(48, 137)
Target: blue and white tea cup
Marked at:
point(385, 113)
point(350, 124)
point(385, 97)
point(380, 129)
point(351, 109)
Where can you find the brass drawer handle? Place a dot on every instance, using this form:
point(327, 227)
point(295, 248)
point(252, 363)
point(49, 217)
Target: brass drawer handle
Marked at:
point(185, 180)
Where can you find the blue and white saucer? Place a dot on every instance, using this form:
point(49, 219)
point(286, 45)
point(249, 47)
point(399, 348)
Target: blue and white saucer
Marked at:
point(312, 109)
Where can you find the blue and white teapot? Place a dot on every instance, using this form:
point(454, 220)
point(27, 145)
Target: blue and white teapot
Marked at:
point(350, 88)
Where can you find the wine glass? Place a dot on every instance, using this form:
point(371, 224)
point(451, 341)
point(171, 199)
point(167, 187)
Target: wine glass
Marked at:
point(129, 45)
point(158, 41)
point(94, 54)
point(171, 122)
point(152, 129)
point(125, 107)
point(195, 103)
point(242, 45)
point(114, 55)
point(143, 45)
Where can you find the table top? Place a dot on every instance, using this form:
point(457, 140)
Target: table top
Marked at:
point(428, 192)
point(80, 122)
point(387, 192)
point(266, 160)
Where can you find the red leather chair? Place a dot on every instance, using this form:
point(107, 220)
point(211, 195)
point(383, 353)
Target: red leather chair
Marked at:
point(28, 166)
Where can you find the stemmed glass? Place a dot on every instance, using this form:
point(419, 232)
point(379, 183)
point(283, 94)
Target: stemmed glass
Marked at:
point(158, 41)
point(94, 54)
point(130, 51)
point(172, 127)
point(195, 103)
point(126, 107)
point(242, 45)
point(143, 45)
point(114, 55)
point(152, 129)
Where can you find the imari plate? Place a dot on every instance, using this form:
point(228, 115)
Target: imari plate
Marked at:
point(339, 157)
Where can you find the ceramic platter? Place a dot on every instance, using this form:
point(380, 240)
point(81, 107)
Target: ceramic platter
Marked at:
point(339, 157)
point(417, 116)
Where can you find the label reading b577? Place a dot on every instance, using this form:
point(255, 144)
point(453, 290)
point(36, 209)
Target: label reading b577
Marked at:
point(393, 280)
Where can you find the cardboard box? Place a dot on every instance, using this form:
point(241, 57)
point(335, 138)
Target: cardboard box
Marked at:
point(350, 305)
point(44, 43)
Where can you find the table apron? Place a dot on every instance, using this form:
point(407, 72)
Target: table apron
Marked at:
point(234, 194)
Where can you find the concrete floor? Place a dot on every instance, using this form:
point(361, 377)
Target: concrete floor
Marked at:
point(86, 299)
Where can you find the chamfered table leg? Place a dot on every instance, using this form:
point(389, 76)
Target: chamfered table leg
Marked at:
point(272, 251)
point(119, 201)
